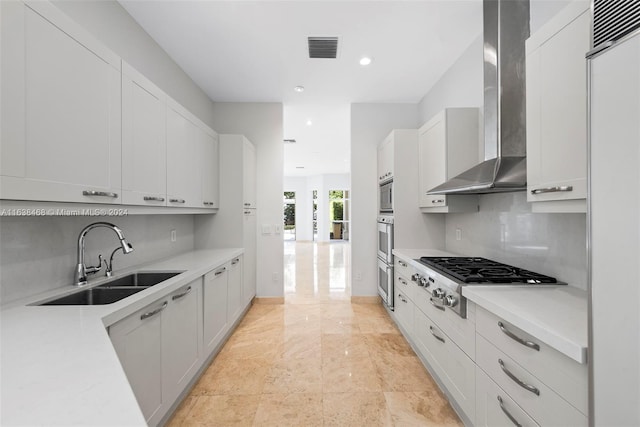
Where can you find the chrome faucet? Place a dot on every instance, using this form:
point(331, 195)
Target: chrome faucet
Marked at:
point(82, 270)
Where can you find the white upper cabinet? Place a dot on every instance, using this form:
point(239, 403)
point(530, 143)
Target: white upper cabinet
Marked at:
point(183, 162)
point(385, 159)
point(61, 109)
point(144, 154)
point(447, 146)
point(249, 174)
point(557, 112)
point(209, 169)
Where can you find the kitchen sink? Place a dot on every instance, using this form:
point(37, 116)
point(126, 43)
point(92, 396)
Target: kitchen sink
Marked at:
point(140, 280)
point(114, 290)
point(95, 296)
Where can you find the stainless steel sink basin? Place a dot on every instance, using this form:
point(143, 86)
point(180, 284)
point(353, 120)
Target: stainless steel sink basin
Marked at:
point(114, 290)
point(140, 280)
point(95, 296)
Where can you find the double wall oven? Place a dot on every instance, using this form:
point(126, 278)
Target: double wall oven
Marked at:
point(385, 259)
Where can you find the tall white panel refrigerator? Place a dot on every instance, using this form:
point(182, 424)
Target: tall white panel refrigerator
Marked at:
point(614, 234)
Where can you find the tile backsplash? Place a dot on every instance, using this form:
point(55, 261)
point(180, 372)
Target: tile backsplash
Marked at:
point(38, 254)
point(506, 230)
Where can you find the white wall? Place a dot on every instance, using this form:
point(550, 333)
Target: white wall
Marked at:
point(505, 229)
point(261, 123)
point(370, 124)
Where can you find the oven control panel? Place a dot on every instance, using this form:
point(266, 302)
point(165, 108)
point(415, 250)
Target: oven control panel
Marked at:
point(444, 291)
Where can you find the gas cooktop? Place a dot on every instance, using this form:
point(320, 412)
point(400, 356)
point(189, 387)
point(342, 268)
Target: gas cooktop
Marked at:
point(468, 270)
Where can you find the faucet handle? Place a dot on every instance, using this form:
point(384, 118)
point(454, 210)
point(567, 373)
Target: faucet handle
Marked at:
point(96, 268)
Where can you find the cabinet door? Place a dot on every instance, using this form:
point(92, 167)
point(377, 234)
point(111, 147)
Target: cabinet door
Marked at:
point(183, 164)
point(234, 290)
point(144, 154)
point(557, 110)
point(215, 308)
point(180, 340)
point(432, 154)
point(249, 243)
point(249, 174)
point(61, 109)
point(137, 340)
point(404, 307)
point(385, 159)
point(209, 165)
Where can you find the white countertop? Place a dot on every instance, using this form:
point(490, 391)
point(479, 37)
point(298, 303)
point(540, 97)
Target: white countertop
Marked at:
point(557, 315)
point(58, 366)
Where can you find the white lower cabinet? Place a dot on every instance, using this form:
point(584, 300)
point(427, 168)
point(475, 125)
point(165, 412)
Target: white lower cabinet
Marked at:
point(404, 307)
point(234, 290)
point(158, 347)
point(215, 307)
point(494, 407)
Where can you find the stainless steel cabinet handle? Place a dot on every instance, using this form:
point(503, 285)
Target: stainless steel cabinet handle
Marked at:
point(100, 193)
point(208, 203)
point(517, 380)
point(175, 297)
point(404, 264)
point(516, 338)
point(404, 282)
point(247, 204)
point(436, 305)
point(511, 418)
point(235, 261)
point(219, 272)
point(552, 189)
point(434, 334)
point(153, 198)
point(177, 200)
point(247, 212)
point(154, 312)
point(402, 298)
point(438, 201)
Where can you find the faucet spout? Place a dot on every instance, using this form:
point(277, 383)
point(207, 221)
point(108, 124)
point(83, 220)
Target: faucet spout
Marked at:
point(81, 272)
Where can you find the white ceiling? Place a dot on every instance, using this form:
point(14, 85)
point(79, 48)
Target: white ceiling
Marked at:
point(256, 51)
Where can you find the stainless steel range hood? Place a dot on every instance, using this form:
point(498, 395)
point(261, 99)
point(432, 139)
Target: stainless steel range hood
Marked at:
point(506, 27)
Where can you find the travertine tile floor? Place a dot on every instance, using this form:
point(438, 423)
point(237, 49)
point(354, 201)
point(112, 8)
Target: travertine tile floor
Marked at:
point(317, 360)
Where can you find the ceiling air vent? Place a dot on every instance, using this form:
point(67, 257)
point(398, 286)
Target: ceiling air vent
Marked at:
point(613, 19)
point(323, 47)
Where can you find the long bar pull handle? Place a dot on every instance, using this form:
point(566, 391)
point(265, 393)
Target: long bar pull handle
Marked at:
point(207, 203)
point(436, 305)
point(439, 338)
point(177, 200)
point(404, 282)
point(154, 312)
point(100, 194)
point(235, 261)
point(402, 298)
point(552, 189)
point(511, 417)
point(153, 199)
point(175, 297)
point(402, 263)
point(516, 338)
point(517, 380)
point(438, 201)
point(219, 272)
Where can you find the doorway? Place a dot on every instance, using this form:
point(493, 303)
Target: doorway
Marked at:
point(339, 210)
point(289, 210)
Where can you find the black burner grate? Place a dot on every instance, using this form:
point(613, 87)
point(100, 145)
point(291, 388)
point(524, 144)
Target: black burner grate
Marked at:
point(482, 270)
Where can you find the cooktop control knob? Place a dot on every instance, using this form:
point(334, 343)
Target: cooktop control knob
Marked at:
point(415, 277)
point(437, 293)
point(423, 282)
point(450, 301)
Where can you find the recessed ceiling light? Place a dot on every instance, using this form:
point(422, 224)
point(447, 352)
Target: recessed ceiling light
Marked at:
point(309, 122)
point(365, 60)
point(299, 89)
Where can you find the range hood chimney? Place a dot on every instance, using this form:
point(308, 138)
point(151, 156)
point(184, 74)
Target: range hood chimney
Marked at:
point(506, 27)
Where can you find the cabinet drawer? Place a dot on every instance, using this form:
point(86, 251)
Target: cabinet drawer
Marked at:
point(403, 268)
point(405, 285)
point(562, 374)
point(403, 308)
point(494, 407)
point(462, 331)
point(538, 400)
point(453, 367)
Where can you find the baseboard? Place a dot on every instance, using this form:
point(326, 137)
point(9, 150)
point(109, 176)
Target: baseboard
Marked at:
point(366, 300)
point(268, 300)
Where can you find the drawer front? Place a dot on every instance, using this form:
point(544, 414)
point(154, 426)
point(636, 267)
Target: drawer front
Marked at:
point(531, 394)
point(403, 310)
point(462, 331)
point(494, 407)
point(559, 372)
point(405, 285)
point(403, 267)
point(453, 367)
